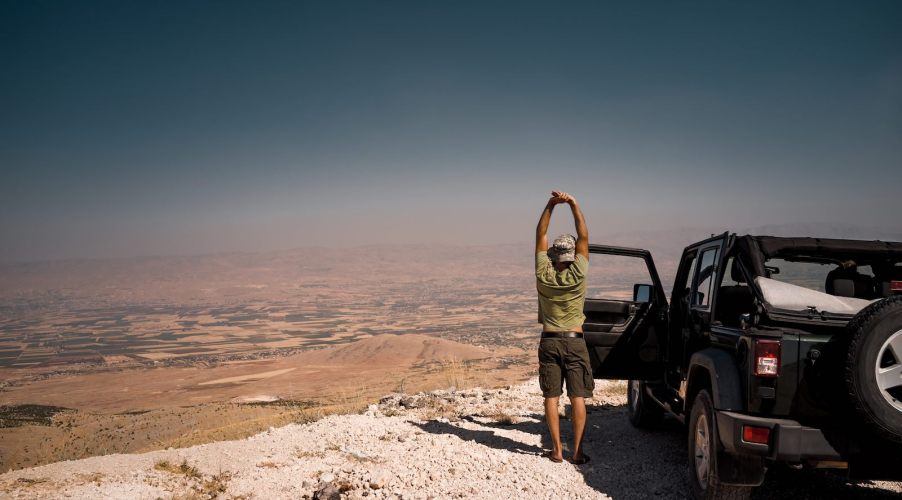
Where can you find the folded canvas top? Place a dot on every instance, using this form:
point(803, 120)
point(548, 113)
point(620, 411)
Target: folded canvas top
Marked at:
point(787, 296)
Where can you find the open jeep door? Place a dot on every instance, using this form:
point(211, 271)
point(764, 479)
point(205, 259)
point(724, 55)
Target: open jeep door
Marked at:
point(623, 328)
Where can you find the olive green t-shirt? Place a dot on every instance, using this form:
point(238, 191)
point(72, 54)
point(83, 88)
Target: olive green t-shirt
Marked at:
point(561, 294)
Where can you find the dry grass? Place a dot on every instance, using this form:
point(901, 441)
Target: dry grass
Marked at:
point(236, 427)
point(93, 477)
point(401, 385)
point(502, 417)
point(391, 412)
point(75, 435)
point(31, 481)
point(183, 468)
point(309, 454)
point(436, 408)
point(351, 399)
point(456, 373)
point(363, 459)
point(201, 487)
point(215, 485)
point(309, 415)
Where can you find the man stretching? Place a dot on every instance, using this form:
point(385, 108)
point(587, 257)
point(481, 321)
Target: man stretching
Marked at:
point(561, 283)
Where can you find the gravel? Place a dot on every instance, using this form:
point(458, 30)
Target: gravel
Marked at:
point(445, 444)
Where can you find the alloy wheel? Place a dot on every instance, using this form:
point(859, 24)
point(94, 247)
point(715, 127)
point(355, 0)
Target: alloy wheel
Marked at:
point(634, 394)
point(888, 371)
point(701, 450)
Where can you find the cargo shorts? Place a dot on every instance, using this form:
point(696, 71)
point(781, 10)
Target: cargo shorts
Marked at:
point(565, 359)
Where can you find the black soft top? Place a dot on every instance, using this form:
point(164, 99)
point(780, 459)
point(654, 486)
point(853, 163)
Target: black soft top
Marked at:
point(755, 250)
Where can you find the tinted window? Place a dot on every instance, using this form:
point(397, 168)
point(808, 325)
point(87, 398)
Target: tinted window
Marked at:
point(706, 272)
point(687, 282)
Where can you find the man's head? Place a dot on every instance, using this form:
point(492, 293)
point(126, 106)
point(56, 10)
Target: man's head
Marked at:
point(562, 251)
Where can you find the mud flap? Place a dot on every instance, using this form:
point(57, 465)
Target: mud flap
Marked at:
point(741, 470)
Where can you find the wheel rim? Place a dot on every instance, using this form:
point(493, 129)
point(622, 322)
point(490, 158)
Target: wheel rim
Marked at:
point(634, 395)
point(888, 370)
point(701, 450)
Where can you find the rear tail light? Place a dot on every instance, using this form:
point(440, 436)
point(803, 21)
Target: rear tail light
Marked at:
point(767, 358)
point(759, 435)
point(895, 286)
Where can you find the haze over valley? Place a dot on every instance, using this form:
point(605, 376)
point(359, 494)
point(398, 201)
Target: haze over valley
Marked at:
point(160, 345)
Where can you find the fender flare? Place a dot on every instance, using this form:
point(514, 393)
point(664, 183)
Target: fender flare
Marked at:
point(723, 372)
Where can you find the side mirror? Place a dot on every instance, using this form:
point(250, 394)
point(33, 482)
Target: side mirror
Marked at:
point(642, 293)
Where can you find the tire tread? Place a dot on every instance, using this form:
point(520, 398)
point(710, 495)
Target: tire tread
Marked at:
point(858, 327)
point(715, 490)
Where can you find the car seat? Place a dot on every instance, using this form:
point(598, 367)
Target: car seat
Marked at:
point(848, 282)
point(735, 300)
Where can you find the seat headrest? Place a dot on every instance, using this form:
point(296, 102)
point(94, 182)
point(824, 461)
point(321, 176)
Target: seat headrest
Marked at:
point(840, 282)
point(848, 282)
point(843, 288)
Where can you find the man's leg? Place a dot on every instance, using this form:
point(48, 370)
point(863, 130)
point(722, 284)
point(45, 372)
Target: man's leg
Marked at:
point(578, 417)
point(552, 417)
point(580, 384)
point(551, 380)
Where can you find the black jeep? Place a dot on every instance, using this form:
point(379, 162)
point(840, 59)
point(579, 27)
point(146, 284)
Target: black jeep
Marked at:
point(771, 350)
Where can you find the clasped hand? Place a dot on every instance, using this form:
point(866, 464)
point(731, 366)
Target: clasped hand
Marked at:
point(561, 197)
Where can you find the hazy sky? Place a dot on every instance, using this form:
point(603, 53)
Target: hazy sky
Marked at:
point(138, 128)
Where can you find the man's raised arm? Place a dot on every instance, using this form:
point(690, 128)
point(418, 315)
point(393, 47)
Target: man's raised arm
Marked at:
point(542, 228)
point(582, 231)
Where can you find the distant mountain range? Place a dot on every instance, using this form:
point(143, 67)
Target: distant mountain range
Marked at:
point(160, 275)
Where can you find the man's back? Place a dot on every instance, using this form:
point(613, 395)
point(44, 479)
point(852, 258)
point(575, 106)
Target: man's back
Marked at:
point(562, 294)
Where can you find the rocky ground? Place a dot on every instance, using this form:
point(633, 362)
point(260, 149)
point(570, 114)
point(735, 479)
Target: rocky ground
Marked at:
point(444, 444)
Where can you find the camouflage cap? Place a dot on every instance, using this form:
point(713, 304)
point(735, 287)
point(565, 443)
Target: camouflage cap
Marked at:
point(563, 249)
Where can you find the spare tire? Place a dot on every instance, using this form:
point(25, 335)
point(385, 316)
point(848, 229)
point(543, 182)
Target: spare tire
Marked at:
point(874, 367)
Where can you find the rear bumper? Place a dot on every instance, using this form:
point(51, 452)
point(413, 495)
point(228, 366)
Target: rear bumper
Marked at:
point(790, 441)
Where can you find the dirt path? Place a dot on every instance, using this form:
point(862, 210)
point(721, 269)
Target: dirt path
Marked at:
point(467, 444)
